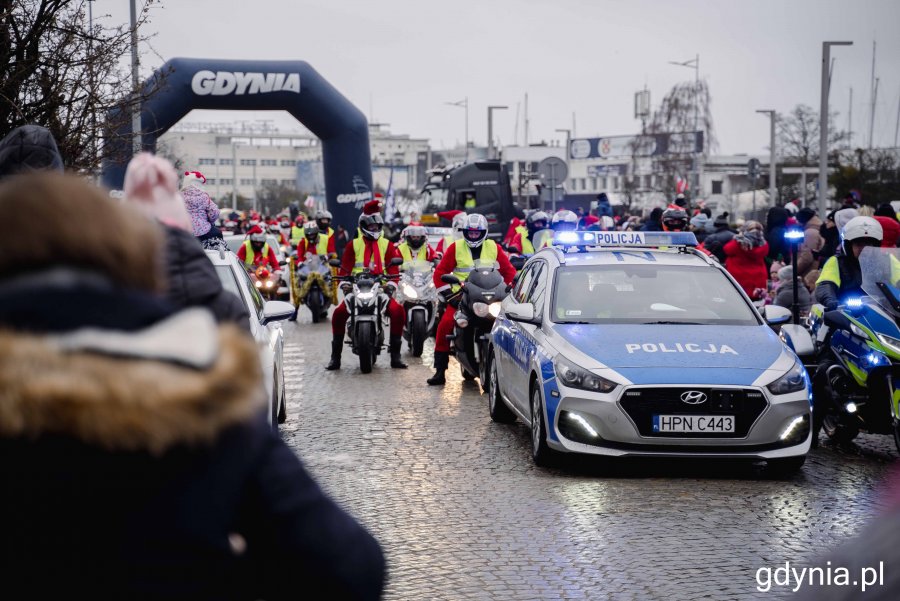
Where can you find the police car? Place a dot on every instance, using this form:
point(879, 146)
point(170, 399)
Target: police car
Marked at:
point(638, 344)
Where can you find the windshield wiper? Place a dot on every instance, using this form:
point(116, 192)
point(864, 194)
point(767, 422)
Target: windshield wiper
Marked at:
point(680, 323)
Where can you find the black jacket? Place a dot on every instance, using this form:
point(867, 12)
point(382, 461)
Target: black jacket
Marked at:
point(715, 242)
point(830, 294)
point(128, 476)
point(776, 225)
point(192, 280)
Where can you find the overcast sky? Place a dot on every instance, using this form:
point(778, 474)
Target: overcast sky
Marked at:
point(400, 60)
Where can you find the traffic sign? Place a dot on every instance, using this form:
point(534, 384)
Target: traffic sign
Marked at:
point(753, 168)
point(553, 171)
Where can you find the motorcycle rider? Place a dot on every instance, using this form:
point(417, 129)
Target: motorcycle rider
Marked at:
point(255, 252)
point(314, 243)
point(370, 249)
point(414, 246)
point(841, 275)
point(323, 220)
point(297, 231)
point(523, 242)
point(457, 219)
point(473, 250)
point(674, 219)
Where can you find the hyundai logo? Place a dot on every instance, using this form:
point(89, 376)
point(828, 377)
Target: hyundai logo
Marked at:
point(693, 397)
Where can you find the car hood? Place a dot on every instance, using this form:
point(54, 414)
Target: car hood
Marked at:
point(677, 353)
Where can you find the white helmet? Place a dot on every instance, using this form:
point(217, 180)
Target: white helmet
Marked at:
point(475, 230)
point(564, 220)
point(860, 228)
point(458, 220)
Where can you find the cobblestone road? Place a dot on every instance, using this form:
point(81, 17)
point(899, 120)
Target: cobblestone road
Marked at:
point(462, 513)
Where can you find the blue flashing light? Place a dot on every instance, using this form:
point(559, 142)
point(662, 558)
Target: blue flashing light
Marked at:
point(582, 238)
point(793, 235)
point(874, 358)
point(854, 303)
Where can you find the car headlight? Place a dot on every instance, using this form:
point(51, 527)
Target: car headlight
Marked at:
point(794, 380)
point(409, 292)
point(573, 376)
point(890, 342)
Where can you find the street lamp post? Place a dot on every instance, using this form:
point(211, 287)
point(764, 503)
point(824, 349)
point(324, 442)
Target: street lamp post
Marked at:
point(490, 109)
point(568, 133)
point(772, 187)
point(694, 64)
point(464, 103)
point(823, 126)
point(135, 83)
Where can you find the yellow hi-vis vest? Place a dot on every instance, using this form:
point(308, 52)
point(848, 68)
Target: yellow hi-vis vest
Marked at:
point(464, 262)
point(321, 245)
point(527, 246)
point(296, 234)
point(359, 253)
point(249, 255)
point(406, 253)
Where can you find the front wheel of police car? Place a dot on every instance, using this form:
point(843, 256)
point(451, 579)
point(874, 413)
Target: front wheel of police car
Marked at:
point(541, 452)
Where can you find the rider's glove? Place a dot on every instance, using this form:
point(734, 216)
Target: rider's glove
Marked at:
point(346, 287)
point(390, 288)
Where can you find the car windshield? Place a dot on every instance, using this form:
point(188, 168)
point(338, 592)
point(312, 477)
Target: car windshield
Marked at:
point(648, 294)
point(881, 266)
point(234, 242)
point(434, 200)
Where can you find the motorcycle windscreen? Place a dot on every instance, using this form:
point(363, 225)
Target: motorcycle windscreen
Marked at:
point(542, 238)
point(880, 269)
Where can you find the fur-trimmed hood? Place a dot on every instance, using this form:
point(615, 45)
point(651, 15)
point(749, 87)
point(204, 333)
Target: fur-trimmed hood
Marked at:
point(181, 381)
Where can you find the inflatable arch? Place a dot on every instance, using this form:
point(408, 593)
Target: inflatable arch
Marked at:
point(184, 84)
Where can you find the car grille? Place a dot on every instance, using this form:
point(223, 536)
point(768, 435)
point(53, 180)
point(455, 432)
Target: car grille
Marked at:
point(641, 404)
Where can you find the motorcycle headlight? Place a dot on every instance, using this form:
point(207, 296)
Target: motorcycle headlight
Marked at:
point(461, 320)
point(258, 284)
point(480, 309)
point(365, 296)
point(890, 342)
point(494, 309)
point(794, 380)
point(268, 283)
point(409, 291)
point(573, 376)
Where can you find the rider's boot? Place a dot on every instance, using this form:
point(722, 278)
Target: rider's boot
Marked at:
point(337, 345)
point(294, 316)
point(396, 362)
point(441, 362)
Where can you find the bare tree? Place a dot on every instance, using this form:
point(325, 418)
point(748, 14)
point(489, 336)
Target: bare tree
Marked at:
point(798, 135)
point(59, 72)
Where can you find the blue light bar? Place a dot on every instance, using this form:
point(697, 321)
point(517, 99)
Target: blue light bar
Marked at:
point(854, 303)
point(793, 234)
point(582, 238)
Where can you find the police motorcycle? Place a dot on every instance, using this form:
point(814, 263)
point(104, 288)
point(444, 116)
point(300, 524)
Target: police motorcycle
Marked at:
point(856, 386)
point(418, 296)
point(367, 305)
point(479, 305)
point(315, 278)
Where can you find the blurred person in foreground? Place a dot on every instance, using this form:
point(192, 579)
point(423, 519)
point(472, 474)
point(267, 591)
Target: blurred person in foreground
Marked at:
point(29, 148)
point(151, 185)
point(133, 460)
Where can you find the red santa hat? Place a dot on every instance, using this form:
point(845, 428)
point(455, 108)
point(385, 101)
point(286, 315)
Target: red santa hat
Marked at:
point(373, 206)
point(449, 215)
point(193, 178)
point(256, 234)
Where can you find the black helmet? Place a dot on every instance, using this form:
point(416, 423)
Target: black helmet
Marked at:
point(674, 220)
point(371, 225)
point(311, 231)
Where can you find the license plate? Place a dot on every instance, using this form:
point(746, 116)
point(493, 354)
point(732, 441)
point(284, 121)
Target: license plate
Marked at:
point(694, 424)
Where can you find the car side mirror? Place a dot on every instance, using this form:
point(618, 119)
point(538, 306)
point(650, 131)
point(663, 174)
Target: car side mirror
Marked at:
point(276, 311)
point(776, 315)
point(449, 278)
point(396, 261)
point(334, 262)
point(521, 312)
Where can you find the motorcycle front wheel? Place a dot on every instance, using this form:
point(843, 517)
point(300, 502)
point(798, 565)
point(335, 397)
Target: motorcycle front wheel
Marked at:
point(314, 303)
point(418, 332)
point(365, 345)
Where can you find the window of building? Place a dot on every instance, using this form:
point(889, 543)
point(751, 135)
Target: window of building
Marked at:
point(288, 163)
point(246, 181)
point(269, 163)
point(288, 183)
point(614, 183)
point(646, 183)
point(225, 181)
point(206, 161)
point(224, 161)
point(717, 186)
point(210, 181)
point(268, 182)
point(248, 162)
